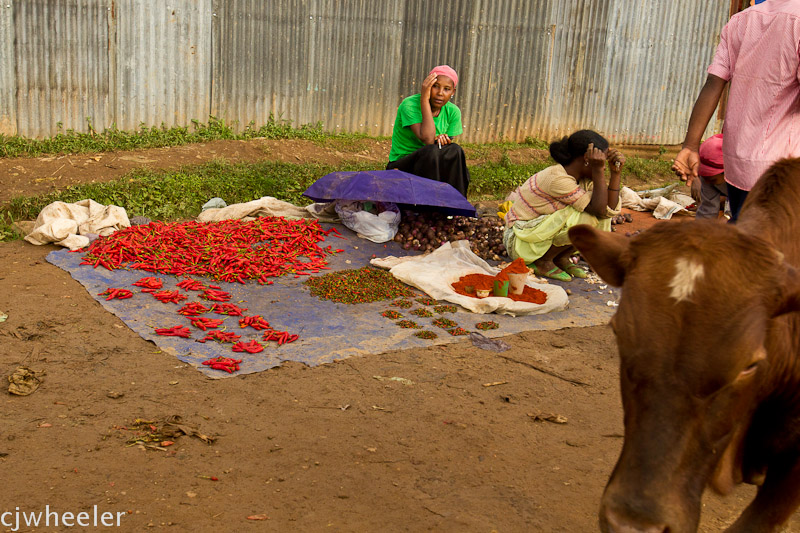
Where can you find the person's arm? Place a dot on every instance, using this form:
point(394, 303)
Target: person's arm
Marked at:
point(615, 162)
point(597, 160)
point(688, 159)
point(426, 130)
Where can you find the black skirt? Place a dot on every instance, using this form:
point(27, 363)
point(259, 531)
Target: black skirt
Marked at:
point(447, 164)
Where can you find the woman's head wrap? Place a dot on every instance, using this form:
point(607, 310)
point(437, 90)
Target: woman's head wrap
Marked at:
point(445, 70)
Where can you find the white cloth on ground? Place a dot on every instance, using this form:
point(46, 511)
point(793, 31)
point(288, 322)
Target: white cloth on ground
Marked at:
point(264, 206)
point(67, 224)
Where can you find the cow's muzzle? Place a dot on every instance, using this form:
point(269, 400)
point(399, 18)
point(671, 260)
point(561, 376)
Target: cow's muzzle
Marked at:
point(612, 521)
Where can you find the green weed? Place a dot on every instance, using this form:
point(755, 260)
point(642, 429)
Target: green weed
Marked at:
point(113, 139)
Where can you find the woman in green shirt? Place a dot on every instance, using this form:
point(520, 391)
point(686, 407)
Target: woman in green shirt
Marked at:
point(422, 139)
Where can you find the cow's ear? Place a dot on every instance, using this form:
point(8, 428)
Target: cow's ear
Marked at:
point(603, 250)
point(789, 300)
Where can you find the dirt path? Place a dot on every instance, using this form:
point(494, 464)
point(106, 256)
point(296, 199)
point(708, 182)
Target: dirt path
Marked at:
point(329, 448)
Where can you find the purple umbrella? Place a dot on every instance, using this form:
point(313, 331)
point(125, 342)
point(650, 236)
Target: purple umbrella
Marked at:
point(390, 186)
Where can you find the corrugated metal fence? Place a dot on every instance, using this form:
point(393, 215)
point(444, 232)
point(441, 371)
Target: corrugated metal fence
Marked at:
point(541, 69)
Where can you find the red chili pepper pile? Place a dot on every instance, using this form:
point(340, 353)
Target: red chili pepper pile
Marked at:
point(175, 331)
point(229, 250)
point(255, 322)
point(228, 309)
point(193, 309)
point(119, 294)
point(190, 284)
point(282, 337)
point(169, 296)
point(149, 284)
point(250, 347)
point(205, 323)
point(215, 295)
point(223, 363)
point(220, 336)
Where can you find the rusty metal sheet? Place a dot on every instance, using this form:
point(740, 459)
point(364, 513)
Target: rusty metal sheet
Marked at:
point(62, 72)
point(163, 62)
point(8, 84)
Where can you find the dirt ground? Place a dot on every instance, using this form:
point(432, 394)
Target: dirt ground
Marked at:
point(328, 448)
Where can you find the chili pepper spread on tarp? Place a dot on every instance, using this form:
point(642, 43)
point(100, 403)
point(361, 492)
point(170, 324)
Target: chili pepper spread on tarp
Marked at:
point(175, 331)
point(228, 250)
point(120, 294)
point(205, 323)
point(250, 347)
point(150, 284)
point(223, 363)
point(220, 336)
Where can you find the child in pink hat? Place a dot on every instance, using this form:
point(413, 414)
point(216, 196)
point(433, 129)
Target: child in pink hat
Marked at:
point(711, 186)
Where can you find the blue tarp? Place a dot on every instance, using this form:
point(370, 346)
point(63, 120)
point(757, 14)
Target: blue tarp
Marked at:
point(393, 186)
point(328, 330)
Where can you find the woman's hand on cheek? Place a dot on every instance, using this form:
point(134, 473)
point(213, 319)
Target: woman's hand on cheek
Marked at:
point(615, 159)
point(427, 83)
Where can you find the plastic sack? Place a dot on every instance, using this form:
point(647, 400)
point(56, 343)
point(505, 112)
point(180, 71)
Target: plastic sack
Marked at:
point(376, 228)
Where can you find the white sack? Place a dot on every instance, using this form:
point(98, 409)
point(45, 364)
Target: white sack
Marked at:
point(265, 206)
point(376, 228)
point(67, 224)
point(434, 274)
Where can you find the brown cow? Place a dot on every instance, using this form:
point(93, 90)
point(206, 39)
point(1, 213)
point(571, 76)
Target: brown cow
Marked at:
point(709, 348)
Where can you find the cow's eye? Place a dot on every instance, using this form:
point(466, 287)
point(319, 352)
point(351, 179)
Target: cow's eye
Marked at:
point(749, 371)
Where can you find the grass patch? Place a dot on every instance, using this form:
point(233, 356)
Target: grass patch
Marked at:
point(176, 195)
point(72, 142)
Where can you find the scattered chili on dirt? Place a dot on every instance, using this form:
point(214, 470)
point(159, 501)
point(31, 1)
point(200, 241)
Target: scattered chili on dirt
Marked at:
point(402, 304)
point(457, 331)
point(444, 323)
point(175, 331)
point(529, 294)
point(422, 312)
point(391, 314)
point(228, 250)
point(426, 335)
point(119, 294)
point(442, 309)
point(408, 324)
point(363, 285)
point(487, 325)
point(427, 301)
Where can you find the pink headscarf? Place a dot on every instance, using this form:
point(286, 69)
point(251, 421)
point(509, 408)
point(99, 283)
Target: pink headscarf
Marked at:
point(445, 70)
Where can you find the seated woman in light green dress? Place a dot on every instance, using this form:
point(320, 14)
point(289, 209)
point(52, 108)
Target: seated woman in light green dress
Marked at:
point(572, 192)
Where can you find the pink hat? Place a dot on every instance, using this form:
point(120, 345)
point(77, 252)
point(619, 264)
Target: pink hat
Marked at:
point(445, 70)
point(711, 157)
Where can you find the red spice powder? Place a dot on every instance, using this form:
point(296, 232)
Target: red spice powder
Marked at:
point(529, 294)
point(517, 266)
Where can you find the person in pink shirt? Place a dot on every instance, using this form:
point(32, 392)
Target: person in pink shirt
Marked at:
point(759, 53)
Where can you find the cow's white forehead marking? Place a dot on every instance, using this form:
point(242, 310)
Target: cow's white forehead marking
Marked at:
point(687, 273)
